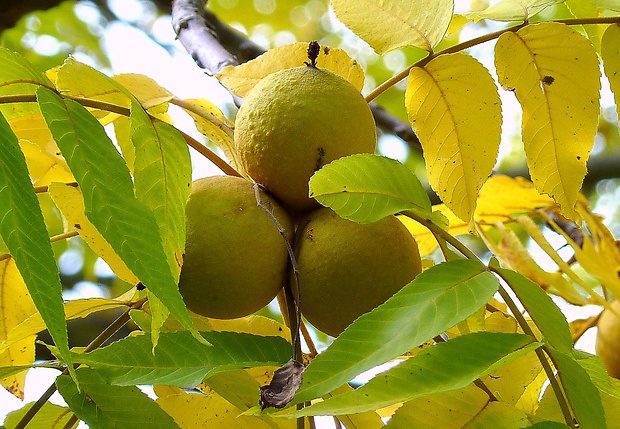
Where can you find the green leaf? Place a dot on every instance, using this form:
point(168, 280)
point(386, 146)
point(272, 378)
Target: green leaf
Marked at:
point(434, 301)
point(582, 394)
point(366, 188)
point(18, 76)
point(23, 230)
point(103, 406)
point(180, 361)
point(598, 374)
point(127, 224)
point(50, 416)
point(446, 366)
point(162, 182)
point(513, 10)
point(543, 311)
point(162, 179)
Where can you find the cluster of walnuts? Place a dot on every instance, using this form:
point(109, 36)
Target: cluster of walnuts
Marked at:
point(236, 261)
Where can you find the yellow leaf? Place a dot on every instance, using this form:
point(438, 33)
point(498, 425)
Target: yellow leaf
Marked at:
point(512, 254)
point(45, 168)
point(390, 24)
point(610, 53)
point(79, 308)
point(509, 382)
point(70, 202)
point(426, 240)
point(194, 410)
point(145, 89)
point(454, 108)
point(253, 324)
point(599, 254)
point(502, 197)
point(554, 73)
point(446, 410)
point(15, 306)
point(242, 78)
point(537, 235)
point(79, 80)
point(241, 387)
point(33, 128)
point(222, 137)
point(499, 415)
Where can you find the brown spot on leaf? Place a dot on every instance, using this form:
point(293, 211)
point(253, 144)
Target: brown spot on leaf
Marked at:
point(548, 80)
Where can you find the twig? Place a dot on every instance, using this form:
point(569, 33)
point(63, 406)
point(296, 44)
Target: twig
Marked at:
point(125, 111)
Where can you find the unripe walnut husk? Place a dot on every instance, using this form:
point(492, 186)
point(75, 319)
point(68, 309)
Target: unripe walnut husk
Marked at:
point(293, 122)
point(235, 259)
point(607, 343)
point(347, 269)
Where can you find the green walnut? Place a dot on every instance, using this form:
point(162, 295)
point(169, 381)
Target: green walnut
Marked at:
point(235, 258)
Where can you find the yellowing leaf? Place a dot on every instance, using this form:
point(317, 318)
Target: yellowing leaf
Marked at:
point(79, 80)
point(502, 197)
point(454, 108)
point(426, 240)
point(253, 324)
point(45, 168)
point(34, 129)
point(391, 24)
point(242, 78)
point(15, 306)
point(537, 235)
point(446, 410)
point(599, 255)
point(513, 10)
point(222, 136)
point(499, 415)
point(79, 308)
point(241, 387)
point(554, 73)
point(70, 202)
point(610, 52)
point(512, 254)
point(587, 9)
point(193, 410)
point(509, 382)
point(145, 89)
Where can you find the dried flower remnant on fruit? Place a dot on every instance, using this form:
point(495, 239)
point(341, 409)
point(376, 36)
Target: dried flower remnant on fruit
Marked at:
point(284, 384)
point(314, 49)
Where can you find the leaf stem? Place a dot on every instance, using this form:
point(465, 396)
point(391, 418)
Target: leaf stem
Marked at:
point(125, 111)
point(203, 114)
point(477, 41)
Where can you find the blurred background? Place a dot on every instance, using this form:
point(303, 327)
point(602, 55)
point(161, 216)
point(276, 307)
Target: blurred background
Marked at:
point(136, 36)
